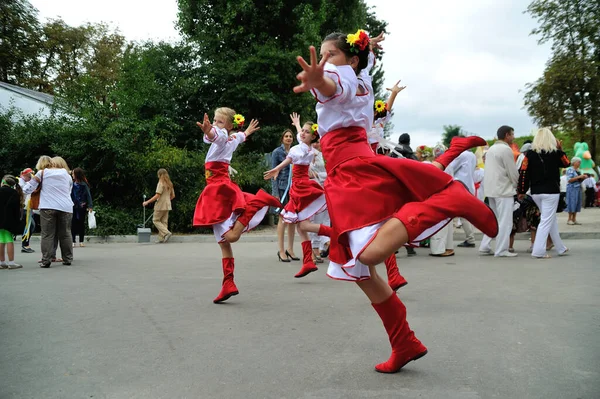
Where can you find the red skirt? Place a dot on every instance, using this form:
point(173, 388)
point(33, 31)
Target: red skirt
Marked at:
point(220, 198)
point(363, 189)
point(306, 196)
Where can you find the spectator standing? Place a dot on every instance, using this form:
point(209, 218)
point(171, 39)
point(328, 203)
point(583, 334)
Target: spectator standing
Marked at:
point(163, 196)
point(589, 184)
point(540, 172)
point(82, 203)
point(463, 170)
point(11, 203)
point(404, 148)
point(500, 181)
point(574, 179)
point(56, 207)
point(27, 214)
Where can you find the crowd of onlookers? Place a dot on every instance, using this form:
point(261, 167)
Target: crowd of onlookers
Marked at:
point(58, 197)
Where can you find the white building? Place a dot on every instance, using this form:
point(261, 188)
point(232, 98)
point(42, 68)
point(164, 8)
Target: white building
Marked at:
point(28, 102)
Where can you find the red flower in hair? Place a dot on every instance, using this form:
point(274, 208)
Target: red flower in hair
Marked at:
point(363, 40)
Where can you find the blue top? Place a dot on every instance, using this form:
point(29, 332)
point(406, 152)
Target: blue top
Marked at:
point(571, 173)
point(278, 156)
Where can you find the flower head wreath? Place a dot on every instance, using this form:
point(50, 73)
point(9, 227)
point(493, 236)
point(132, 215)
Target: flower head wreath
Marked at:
point(380, 109)
point(238, 121)
point(314, 128)
point(358, 41)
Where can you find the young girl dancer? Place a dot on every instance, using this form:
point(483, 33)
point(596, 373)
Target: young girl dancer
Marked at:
point(222, 204)
point(377, 204)
point(383, 113)
point(306, 196)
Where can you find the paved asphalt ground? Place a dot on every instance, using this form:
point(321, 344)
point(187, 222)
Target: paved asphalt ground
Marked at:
point(137, 321)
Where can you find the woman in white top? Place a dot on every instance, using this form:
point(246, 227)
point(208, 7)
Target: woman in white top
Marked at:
point(56, 207)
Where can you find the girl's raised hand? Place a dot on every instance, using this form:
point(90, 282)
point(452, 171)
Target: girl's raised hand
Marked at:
point(311, 75)
point(396, 89)
point(271, 174)
point(295, 119)
point(252, 127)
point(374, 41)
point(206, 126)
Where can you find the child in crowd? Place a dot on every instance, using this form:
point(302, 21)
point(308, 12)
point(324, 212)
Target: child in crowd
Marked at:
point(11, 203)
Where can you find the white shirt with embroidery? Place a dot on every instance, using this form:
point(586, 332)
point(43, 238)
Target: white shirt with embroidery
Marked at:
point(223, 145)
point(349, 106)
point(301, 154)
point(378, 129)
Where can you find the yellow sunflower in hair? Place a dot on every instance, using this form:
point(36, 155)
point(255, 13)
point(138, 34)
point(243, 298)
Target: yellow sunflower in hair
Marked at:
point(238, 120)
point(314, 127)
point(380, 106)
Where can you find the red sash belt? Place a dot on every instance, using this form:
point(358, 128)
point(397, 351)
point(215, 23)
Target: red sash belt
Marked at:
point(300, 172)
point(343, 144)
point(216, 171)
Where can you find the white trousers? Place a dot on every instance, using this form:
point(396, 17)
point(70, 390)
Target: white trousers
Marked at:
point(468, 229)
point(503, 209)
point(442, 240)
point(316, 240)
point(547, 204)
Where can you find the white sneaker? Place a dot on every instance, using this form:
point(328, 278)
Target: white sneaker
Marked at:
point(487, 251)
point(166, 239)
point(507, 255)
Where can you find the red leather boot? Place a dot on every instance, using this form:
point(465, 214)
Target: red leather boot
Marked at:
point(405, 346)
point(425, 218)
point(395, 279)
point(228, 289)
point(308, 266)
point(260, 200)
point(457, 146)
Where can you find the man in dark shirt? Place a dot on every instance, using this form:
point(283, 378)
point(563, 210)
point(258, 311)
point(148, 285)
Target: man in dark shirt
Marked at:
point(404, 147)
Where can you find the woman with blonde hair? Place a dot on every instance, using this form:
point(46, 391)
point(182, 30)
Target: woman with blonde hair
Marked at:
point(540, 171)
point(163, 197)
point(56, 207)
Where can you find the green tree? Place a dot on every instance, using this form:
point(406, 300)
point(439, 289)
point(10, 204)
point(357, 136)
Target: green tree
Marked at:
point(451, 131)
point(249, 61)
point(19, 41)
point(567, 96)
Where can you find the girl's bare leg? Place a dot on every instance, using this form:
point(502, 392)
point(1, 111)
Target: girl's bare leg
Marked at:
point(391, 236)
point(376, 288)
point(280, 236)
point(2, 258)
point(290, 239)
point(10, 251)
point(226, 250)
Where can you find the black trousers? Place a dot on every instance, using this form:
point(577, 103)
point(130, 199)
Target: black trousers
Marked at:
point(78, 224)
point(590, 195)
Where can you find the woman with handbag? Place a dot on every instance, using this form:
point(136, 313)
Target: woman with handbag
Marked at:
point(540, 171)
point(82, 204)
point(55, 205)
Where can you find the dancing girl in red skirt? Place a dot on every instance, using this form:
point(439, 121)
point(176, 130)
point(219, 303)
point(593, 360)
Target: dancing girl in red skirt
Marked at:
point(307, 197)
point(222, 204)
point(377, 204)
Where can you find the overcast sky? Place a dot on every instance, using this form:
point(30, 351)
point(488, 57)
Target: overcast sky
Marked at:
point(464, 62)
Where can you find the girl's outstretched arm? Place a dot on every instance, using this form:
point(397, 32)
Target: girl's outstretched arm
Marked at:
point(206, 127)
point(273, 173)
point(253, 127)
point(313, 77)
point(394, 92)
point(296, 122)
